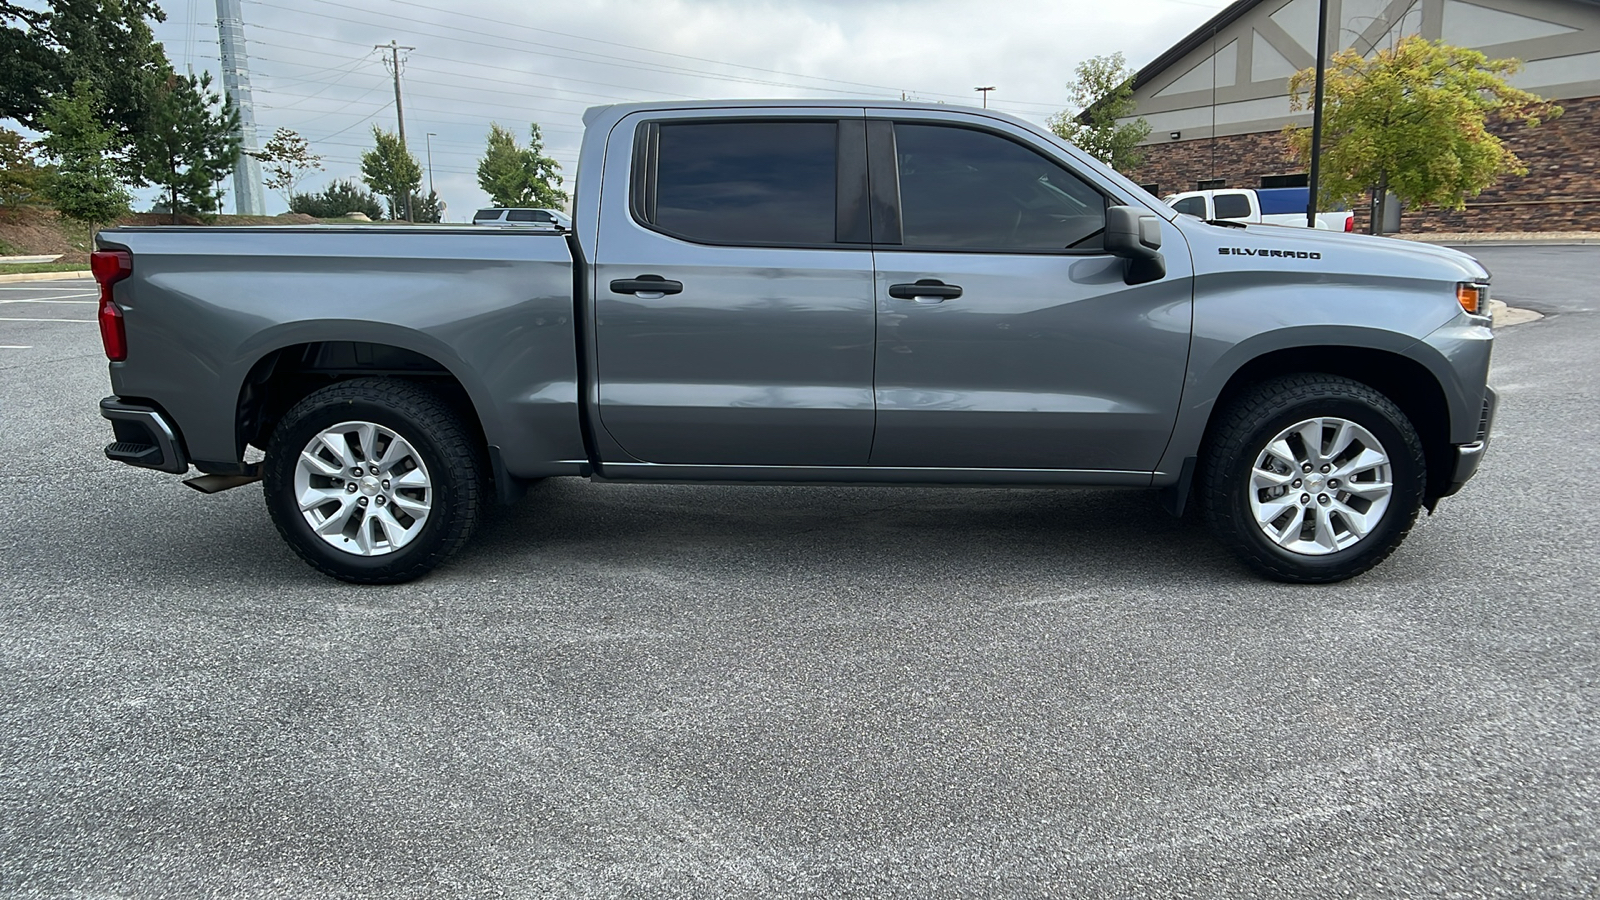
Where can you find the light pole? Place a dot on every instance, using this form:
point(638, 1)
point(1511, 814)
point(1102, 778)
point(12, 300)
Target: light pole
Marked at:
point(1316, 113)
point(985, 91)
point(429, 141)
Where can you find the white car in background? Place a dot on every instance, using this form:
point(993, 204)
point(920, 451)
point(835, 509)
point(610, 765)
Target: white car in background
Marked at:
point(1267, 206)
point(511, 215)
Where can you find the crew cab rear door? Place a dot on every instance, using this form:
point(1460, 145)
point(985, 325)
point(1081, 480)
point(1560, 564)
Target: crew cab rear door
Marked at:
point(1007, 336)
point(733, 290)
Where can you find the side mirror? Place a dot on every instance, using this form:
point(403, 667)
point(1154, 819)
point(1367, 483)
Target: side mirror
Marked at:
point(1135, 235)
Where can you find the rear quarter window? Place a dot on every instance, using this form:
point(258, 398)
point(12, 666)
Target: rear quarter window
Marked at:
point(1232, 206)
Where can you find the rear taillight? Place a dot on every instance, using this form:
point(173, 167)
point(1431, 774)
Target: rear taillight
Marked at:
point(1350, 225)
point(110, 267)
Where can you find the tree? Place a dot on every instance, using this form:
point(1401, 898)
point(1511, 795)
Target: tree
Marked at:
point(1413, 119)
point(520, 176)
point(22, 179)
point(1102, 95)
point(85, 187)
point(427, 209)
point(288, 160)
point(391, 171)
point(189, 142)
point(107, 43)
point(338, 199)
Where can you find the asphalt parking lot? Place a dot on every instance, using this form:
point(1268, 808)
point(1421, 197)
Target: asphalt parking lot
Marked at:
point(761, 691)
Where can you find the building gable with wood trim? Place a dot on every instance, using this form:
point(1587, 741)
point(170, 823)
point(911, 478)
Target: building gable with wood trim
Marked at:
point(1218, 100)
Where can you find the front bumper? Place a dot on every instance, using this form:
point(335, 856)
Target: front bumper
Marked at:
point(1469, 456)
point(144, 437)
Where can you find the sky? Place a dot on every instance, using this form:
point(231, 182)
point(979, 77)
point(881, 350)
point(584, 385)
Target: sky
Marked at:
point(313, 67)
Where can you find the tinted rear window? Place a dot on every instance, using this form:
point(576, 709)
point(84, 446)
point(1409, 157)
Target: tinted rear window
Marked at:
point(1192, 206)
point(747, 182)
point(526, 215)
point(1232, 206)
point(486, 215)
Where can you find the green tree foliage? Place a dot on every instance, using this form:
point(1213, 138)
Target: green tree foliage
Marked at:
point(427, 209)
point(31, 68)
point(1103, 94)
point(338, 199)
point(520, 176)
point(391, 171)
point(22, 179)
point(1413, 119)
point(188, 143)
point(85, 186)
point(287, 159)
point(106, 43)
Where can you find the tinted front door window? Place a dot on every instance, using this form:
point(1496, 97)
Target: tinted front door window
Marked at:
point(747, 182)
point(962, 189)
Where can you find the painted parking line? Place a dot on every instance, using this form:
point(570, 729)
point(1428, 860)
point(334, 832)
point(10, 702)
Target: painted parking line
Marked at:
point(10, 319)
point(16, 347)
point(42, 287)
point(54, 300)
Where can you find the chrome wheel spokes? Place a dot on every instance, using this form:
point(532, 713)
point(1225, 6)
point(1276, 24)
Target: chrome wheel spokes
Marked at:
point(1320, 486)
point(363, 488)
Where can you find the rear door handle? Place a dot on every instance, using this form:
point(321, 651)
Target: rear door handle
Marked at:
point(928, 290)
point(652, 285)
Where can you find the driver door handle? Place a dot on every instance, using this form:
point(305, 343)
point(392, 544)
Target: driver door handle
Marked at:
point(648, 287)
point(927, 290)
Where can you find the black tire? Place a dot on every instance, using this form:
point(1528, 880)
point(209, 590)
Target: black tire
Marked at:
point(439, 436)
point(1240, 436)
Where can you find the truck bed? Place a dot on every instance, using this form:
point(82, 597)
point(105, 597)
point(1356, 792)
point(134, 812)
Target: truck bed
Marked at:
point(220, 307)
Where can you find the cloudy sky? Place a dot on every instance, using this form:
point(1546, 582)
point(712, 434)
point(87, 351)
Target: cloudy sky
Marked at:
point(314, 69)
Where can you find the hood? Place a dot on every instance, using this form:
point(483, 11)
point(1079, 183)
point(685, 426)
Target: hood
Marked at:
point(1220, 247)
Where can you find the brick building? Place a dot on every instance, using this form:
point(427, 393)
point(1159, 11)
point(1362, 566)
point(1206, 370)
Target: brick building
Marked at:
point(1218, 100)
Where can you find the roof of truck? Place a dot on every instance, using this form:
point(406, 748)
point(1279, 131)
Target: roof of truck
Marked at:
point(622, 109)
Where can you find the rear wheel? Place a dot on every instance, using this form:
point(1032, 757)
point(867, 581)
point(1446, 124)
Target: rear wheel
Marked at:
point(1313, 478)
point(374, 480)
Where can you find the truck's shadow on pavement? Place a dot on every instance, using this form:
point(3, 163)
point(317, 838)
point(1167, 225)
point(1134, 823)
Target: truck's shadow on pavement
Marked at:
point(1110, 533)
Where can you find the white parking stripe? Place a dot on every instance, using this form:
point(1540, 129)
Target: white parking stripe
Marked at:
point(42, 287)
point(15, 347)
point(85, 321)
point(54, 300)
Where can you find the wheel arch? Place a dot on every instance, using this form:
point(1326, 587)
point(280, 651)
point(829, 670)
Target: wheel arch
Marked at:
point(1412, 385)
point(283, 374)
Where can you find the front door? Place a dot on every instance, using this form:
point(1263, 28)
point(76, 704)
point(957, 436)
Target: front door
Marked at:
point(1007, 338)
point(733, 291)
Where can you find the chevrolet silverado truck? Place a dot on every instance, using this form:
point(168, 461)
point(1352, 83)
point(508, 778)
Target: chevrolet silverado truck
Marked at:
point(806, 292)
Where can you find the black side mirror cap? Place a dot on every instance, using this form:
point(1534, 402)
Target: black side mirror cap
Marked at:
point(1135, 235)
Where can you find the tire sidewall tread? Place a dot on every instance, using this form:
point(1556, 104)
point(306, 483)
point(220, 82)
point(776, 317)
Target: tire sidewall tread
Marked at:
point(434, 428)
point(1239, 435)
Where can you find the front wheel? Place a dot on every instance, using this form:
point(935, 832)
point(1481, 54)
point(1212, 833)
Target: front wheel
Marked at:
point(1313, 478)
point(374, 480)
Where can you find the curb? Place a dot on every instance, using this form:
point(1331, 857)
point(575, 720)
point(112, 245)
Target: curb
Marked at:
point(1507, 238)
point(1505, 316)
point(43, 276)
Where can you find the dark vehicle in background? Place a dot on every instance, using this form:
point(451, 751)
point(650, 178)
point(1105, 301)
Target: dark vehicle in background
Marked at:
point(807, 292)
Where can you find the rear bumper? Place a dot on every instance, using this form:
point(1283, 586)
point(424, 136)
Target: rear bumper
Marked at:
point(144, 437)
point(1469, 456)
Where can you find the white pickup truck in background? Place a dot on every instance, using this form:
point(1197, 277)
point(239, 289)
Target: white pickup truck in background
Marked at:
point(1267, 206)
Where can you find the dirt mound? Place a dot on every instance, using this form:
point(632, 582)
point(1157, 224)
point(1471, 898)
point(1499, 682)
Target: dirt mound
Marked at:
point(37, 230)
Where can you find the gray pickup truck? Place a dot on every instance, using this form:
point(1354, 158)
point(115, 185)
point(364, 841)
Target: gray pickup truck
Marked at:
point(806, 292)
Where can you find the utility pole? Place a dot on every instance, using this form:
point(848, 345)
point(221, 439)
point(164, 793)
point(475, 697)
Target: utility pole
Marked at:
point(985, 92)
point(399, 109)
point(429, 139)
point(248, 197)
point(1316, 112)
